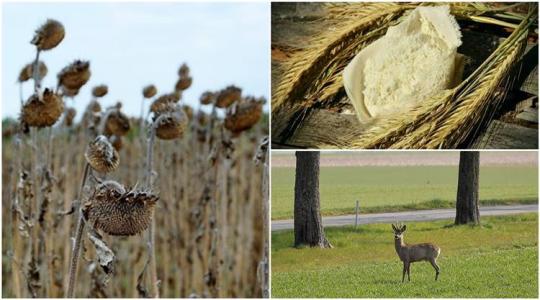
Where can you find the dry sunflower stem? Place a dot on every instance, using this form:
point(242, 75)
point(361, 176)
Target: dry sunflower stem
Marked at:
point(101, 155)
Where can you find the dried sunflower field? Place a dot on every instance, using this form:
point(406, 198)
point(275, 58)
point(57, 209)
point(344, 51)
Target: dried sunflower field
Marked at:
point(171, 203)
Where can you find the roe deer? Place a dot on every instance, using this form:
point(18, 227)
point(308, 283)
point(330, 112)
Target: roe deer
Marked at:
point(412, 253)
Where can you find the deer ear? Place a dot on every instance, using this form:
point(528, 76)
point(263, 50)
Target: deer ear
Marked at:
point(394, 227)
point(404, 228)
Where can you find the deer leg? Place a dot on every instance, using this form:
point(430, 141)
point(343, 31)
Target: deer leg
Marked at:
point(404, 270)
point(409, 271)
point(436, 267)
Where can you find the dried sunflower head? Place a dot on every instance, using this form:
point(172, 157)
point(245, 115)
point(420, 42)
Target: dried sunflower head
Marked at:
point(49, 35)
point(69, 116)
point(117, 124)
point(75, 75)
point(101, 155)
point(171, 123)
point(100, 90)
point(183, 83)
point(116, 211)
point(36, 113)
point(243, 114)
point(70, 92)
point(161, 103)
point(149, 91)
point(91, 114)
point(228, 96)
point(28, 71)
point(207, 98)
point(183, 71)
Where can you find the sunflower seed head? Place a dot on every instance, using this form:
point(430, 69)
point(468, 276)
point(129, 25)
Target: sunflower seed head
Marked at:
point(28, 71)
point(171, 123)
point(49, 35)
point(100, 90)
point(101, 155)
point(228, 96)
point(120, 211)
point(207, 98)
point(75, 75)
point(149, 91)
point(243, 114)
point(163, 103)
point(44, 112)
point(117, 123)
point(183, 83)
point(183, 71)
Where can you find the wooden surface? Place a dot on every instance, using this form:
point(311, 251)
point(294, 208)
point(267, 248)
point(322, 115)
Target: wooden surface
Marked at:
point(292, 26)
point(501, 135)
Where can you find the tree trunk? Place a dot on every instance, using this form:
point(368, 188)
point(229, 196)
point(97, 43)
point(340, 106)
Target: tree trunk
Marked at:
point(308, 229)
point(467, 195)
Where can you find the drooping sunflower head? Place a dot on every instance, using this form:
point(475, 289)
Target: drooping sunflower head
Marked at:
point(44, 112)
point(118, 211)
point(48, 35)
point(101, 155)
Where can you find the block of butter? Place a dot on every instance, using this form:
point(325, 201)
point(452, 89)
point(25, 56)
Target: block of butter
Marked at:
point(414, 60)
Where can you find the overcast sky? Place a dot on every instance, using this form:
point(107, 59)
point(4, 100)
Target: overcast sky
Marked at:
point(130, 45)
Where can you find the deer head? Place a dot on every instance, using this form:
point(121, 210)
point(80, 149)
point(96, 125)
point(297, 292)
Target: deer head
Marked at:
point(398, 230)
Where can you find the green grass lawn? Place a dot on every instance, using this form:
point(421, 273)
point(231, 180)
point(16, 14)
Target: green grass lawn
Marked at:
point(393, 188)
point(498, 259)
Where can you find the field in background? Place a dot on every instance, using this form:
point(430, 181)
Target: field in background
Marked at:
point(407, 158)
point(394, 188)
point(497, 260)
point(202, 226)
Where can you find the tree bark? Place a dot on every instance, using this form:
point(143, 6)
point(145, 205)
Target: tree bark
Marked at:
point(308, 229)
point(467, 195)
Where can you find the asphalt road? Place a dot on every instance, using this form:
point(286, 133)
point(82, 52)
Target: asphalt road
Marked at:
point(417, 215)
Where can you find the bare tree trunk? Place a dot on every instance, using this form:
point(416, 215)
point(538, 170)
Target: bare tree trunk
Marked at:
point(467, 195)
point(308, 229)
